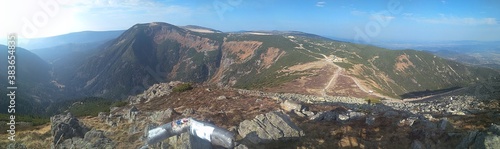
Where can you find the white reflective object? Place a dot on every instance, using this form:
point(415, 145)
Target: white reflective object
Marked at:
point(200, 130)
point(155, 132)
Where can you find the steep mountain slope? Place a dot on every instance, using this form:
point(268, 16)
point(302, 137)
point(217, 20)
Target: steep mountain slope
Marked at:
point(33, 81)
point(277, 61)
point(148, 53)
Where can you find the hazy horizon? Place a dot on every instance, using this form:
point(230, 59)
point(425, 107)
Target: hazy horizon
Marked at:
point(394, 20)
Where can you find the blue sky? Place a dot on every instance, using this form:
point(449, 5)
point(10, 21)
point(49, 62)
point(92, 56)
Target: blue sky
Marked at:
point(395, 20)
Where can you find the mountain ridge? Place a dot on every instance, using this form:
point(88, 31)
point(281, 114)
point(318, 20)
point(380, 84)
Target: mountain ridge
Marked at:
point(160, 52)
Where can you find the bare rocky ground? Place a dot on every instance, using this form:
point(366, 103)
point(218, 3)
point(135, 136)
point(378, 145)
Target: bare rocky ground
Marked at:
point(286, 120)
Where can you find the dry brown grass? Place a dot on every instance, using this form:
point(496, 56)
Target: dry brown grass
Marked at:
point(34, 137)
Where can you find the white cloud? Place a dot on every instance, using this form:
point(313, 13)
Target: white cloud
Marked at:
point(320, 4)
point(450, 19)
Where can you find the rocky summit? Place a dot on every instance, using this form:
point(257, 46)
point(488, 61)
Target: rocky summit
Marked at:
point(284, 120)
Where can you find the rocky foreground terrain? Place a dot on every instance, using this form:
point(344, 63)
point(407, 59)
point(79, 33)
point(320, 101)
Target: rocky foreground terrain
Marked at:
point(465, 119)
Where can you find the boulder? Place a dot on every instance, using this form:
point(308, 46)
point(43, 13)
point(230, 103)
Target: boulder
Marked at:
point(102, 116)
point(489, 139)
point(370, 120)
point(241, 146)
point(290, 106)
point(391, 114)
point(131, 114)
point(325, 116)
point(68, 132)
point(66, 127)
point(467, 140)
point(187, 112)
point(417, 145)
point(96, 139)
point(353, 115)
point(495, 129)
point(221, 97)
point(445, 125)
point(272, 126)
point(161, 116)
point(16, 145)
point(308, 113)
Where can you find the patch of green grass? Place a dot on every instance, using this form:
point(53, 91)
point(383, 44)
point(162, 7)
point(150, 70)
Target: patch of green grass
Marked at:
point(345, 65)
point(90, 107)
point(35, 120)
point(373, 100)
point(119, 104)
point(182, 87)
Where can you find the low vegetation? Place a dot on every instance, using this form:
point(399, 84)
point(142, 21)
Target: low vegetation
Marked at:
point(90, 107)
point(119, 104)
point(33, 120)
point(182, 87)
point(373, 100)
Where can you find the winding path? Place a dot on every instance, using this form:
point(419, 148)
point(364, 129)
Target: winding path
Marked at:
point(338, 72)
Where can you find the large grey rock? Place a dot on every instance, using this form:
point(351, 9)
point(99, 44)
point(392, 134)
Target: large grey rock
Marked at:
point(132, 114)
point(370, 120)
point(495, 129)
point(417, 145)
point(445, 125)
point(325, 116)
point(161, 116)
point(269, 127)
point(391, 114)
point(492, 142)
point(290, 106)
point(16, 145)
point(102, 116)
point(482, 140)
point(338, 115)
point(353, 115)
point(188, 112)
point(467, 140)
point(241, 146)
point(68, 132)
point(96, 139)
point(66, 127)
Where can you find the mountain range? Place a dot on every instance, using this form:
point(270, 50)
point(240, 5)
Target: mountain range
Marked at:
point(117, 64)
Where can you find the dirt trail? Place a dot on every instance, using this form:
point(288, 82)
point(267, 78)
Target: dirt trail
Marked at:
point(338, 72)
point(333, 80)
point(388, 99)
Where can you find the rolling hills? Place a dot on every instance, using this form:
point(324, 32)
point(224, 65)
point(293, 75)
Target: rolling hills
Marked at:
point(157, 52)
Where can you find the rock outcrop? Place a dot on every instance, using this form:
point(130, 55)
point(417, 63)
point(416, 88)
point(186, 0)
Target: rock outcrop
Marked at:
point(155, 91)
point(69, 132)
point(338, 115)
point(272, 126)
point(161, 116)
point(489, 139)
point(66, 127)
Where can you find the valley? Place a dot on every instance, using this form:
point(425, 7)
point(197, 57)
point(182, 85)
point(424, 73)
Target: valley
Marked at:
point(271, 89)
